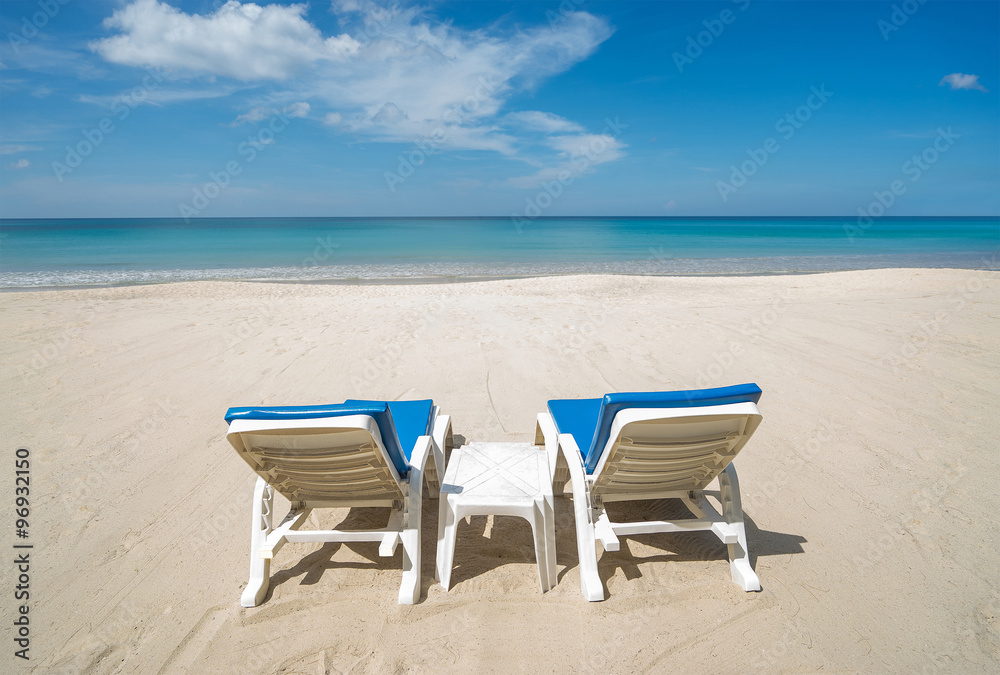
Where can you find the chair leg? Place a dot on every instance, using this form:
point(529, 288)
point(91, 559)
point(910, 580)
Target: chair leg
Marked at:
point(732, 508)
point(260, 569)
point(586, 545)
point(409, 589)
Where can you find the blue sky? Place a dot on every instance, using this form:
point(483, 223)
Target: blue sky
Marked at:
point(206, 108)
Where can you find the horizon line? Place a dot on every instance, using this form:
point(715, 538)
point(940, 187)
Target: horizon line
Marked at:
point(603, 217)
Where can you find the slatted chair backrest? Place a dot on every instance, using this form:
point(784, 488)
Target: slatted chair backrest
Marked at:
point(612, 404)
point(652, 452)
point(328, 460)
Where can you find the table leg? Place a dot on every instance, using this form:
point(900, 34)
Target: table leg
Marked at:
point(550, 541)
point(538, 529)
point(447, 526)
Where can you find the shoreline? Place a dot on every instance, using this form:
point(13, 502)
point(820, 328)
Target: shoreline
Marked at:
point(432, 280)
point(82, 253)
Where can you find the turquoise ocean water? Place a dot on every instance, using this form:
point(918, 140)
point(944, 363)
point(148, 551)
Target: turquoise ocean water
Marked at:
point(47, 253)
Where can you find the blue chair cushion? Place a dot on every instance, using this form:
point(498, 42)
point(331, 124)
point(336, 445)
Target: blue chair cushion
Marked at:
point(398, 438)
point(589, 420)
point(412, 420)
point(577, 416)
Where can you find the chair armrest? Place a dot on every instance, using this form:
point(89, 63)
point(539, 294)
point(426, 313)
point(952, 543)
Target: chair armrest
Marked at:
point(577, 476)
point(422, 451)
point(443, 440)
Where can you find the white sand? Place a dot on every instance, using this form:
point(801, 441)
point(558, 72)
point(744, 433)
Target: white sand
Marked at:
point(870, 489)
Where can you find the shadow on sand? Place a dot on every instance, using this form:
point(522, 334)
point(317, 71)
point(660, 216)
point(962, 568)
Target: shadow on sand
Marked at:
point(509, 540)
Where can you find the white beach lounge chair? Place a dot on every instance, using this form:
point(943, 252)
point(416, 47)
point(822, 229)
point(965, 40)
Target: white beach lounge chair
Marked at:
point(355, 454)
point(652, 446)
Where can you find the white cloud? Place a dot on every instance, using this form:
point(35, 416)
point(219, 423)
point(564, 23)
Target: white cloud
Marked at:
point(392, 76)
point(55, 58)
point(242, 41)
point(599, 148)
point(12, 149)
point(261, 113)
point(414, 81)
point(254, 115)
point(299, 109)
point(543, 121)
point(577, 154)
point(962, 81)
point(389, 114)
point(157, 97)
point(20, 164)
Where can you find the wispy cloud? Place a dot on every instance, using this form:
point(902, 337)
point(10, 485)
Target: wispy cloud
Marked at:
point(13, 148)
point(962, 81)
point(393, 75)
point(543, 121)
point(20, 164)
point(260, 113)
point(298, 109)
point(158, 97)
point(55, 59)
point(577, 154)
point(602, 147)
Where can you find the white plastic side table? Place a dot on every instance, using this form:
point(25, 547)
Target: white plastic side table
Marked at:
point(500, 479)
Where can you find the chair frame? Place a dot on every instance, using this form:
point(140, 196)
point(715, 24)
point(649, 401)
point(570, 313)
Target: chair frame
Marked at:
point(593, 523)
point(404, 519)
